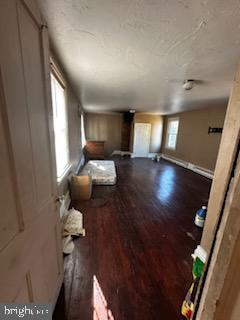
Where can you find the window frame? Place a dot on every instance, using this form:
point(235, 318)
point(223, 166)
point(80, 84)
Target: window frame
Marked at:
point(83, 135)
point(59, 78)
point(167, 133)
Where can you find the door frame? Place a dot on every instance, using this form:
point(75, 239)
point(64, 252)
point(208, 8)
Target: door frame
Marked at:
point(222, 229)
point(17, 254)
point(48, 100)
point(134, 138)
point(33, 9)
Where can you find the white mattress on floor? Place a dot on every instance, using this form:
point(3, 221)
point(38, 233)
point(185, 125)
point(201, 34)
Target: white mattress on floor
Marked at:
point(103, 172)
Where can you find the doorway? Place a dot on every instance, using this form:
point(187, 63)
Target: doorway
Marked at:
point(141, 142)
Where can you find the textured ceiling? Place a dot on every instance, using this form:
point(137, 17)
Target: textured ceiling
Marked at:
point(122, 54)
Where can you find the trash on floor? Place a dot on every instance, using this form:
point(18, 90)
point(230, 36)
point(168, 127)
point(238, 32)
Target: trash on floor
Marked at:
point(67, 244)
point(190, 235)
point(72, 222)
point(199, 259)
point(157, 158)
point(122, 153)
point(201, 217)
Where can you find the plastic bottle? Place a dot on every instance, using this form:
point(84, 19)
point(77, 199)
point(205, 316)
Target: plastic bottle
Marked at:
point(201, 216)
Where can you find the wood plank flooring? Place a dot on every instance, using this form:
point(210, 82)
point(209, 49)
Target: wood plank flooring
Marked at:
point(140, 236)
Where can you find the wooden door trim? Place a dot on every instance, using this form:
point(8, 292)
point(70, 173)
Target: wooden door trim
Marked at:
point(48, 100)
point(6, 128)
point(46, 73)
point(223, 223)
point(32, 8)
point(226, 156)
point(227, 236)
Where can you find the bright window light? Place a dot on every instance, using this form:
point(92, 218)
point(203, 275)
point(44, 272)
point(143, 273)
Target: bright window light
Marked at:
point(172, 132)
point(83, 131)
point(60, 126)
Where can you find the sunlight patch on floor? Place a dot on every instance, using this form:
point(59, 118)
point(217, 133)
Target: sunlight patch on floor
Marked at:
point(166, 185)
point(100, 307)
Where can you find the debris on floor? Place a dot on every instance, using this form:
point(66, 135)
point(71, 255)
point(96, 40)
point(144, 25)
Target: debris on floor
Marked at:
point(72, 222)
point(67, 244)
point(157, 158)
point(199, 259)
point(190, 235)
point(201, 217)
point(121, 153)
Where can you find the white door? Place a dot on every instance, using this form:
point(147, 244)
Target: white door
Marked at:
point(142, 136)
point(31, 267)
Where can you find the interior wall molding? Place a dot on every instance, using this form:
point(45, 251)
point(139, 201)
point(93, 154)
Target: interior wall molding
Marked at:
point(150, 155)
point(193, 167)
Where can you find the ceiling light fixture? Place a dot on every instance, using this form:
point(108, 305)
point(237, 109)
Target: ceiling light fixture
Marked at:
point(188, 84)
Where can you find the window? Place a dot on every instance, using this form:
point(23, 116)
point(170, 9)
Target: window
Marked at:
point(172, 132)
point(60, 126)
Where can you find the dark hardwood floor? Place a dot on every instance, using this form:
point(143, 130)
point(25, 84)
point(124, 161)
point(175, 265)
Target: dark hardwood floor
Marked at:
point(140, 236)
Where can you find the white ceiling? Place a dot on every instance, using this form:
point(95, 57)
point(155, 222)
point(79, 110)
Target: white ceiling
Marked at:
point(122, 54)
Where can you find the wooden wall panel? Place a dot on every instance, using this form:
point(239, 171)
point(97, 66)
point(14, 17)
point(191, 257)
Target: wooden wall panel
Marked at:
point(49, 253)
point(15, 100)
point(33, 73)
point(9, 221)
point(228, 306)
point(24, 293)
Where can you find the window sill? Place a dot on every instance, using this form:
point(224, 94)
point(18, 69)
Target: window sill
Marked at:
point(64, 175)
point(169, 148)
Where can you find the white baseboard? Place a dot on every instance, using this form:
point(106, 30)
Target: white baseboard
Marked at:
point(153, 154)
point(175, 160)
point(134, 155)
point(122, 153)
point(202, 171)
point(149, 155)
point(116, 153)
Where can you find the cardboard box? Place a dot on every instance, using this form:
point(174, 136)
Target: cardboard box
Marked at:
point(81, 187)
